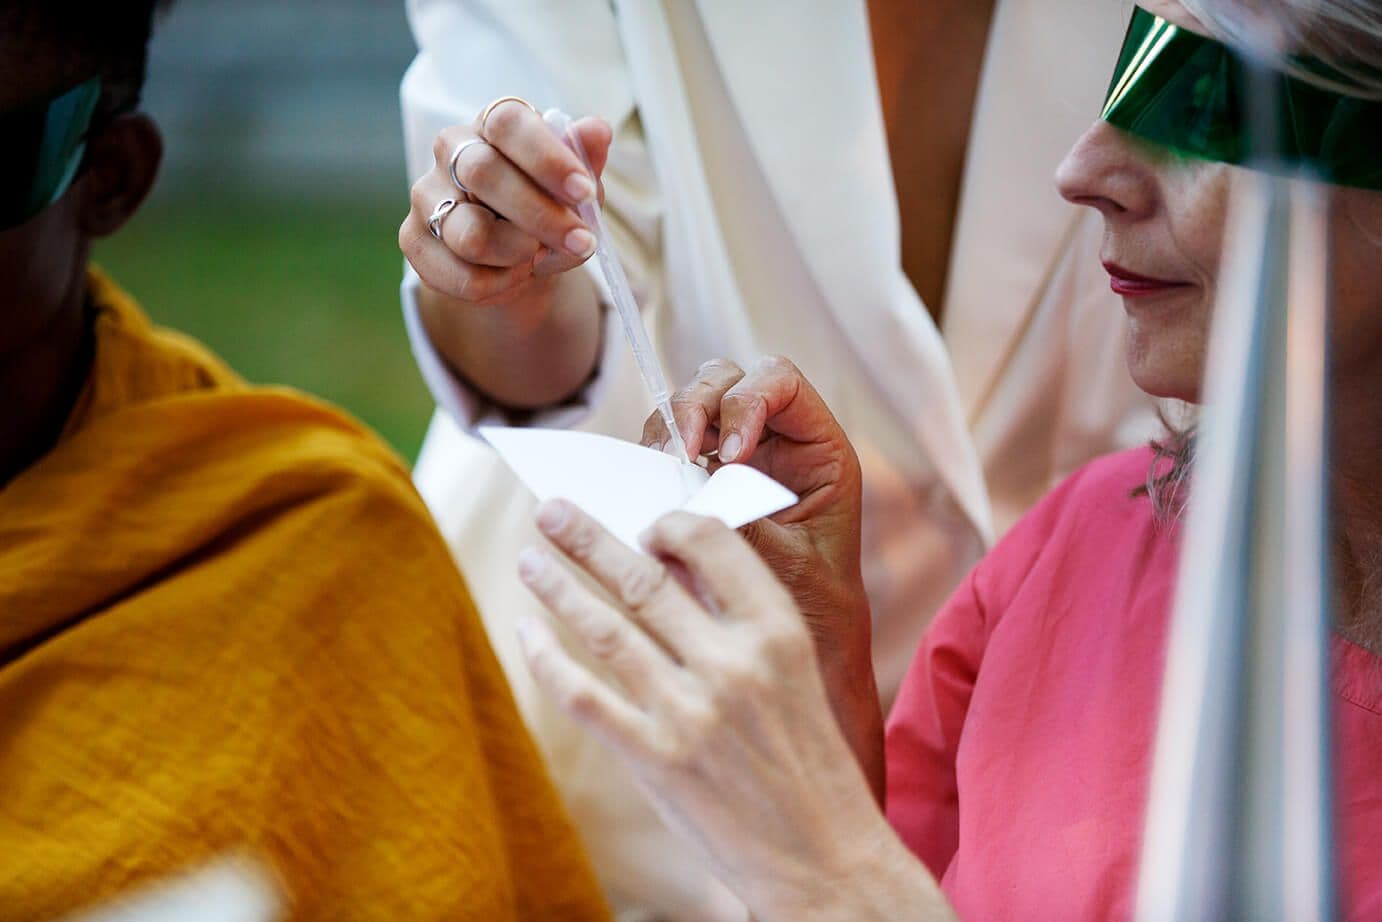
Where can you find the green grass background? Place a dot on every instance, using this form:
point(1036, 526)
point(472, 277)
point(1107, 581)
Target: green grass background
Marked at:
point(297, 293)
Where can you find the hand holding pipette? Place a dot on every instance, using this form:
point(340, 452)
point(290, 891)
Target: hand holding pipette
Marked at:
point(495, 240)
point(621, 293)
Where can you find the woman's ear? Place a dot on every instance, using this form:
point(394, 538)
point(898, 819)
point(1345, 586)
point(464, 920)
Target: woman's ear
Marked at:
point(122, 163)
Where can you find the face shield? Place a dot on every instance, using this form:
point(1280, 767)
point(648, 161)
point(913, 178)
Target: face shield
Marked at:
point(41, 150)
point(1188, 93)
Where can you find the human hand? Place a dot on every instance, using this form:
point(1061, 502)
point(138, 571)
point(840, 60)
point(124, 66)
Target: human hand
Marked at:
point(720, 712)
point(771, 418)
point(513, 223)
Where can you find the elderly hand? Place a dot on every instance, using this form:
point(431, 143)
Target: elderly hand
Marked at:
point(771, 418)
point(722, 715)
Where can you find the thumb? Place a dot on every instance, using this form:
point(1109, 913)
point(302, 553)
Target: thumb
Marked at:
point(595, 135)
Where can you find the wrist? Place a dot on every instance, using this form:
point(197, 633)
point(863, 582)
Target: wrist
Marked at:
point(532, 350)
point(869, 877)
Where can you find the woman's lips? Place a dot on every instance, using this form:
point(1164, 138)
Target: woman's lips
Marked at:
point(1131, 285)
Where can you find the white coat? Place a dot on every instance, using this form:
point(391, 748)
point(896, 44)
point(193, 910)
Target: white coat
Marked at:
point(750, 191)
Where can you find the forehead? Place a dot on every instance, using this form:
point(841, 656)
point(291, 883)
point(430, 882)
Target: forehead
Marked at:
point(33, 68)
point(1174, 13)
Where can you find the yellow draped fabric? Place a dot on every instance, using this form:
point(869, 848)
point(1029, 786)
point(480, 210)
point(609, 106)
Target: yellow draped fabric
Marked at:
point(227, 626)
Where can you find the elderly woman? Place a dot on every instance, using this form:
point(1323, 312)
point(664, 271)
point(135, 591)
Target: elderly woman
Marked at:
point(1018, 755)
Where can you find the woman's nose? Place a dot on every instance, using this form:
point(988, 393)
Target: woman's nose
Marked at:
point(1105, 171)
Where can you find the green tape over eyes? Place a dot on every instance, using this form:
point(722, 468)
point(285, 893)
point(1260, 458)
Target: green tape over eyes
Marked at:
point(1187, 92)
point(41, 149)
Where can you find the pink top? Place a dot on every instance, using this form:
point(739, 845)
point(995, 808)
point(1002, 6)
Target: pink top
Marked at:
point(1020, 747)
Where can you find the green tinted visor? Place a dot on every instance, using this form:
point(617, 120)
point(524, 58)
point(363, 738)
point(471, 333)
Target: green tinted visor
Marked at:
point(1187, 92)
point(41, 149)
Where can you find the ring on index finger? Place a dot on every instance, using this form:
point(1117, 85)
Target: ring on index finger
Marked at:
point(484, 116)
point(456, 155)
point(439, 213)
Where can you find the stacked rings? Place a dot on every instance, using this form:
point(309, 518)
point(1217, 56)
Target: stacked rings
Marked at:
point(480, 138)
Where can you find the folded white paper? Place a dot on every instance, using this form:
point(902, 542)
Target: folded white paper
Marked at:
point(626, 487)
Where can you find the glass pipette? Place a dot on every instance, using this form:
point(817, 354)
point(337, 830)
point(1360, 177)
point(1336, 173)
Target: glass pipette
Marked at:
point(629, 316)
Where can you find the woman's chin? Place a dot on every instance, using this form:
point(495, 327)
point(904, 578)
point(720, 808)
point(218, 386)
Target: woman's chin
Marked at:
point(1171, 377)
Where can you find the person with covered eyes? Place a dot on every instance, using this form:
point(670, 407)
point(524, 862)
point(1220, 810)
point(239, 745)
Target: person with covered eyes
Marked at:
point(1018, 755)
point(228, 627)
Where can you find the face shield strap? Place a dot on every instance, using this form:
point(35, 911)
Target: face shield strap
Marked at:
point(1187, 92)
point(42, 150)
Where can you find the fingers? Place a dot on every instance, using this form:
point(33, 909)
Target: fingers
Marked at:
point(775, 395)
point(596, 136)
point(523, 137)
point(579, 693)
point(442, 273)
point(489, 176)
point(723, 565)
point(639, 664)
point(696, 407)
point(642, 585)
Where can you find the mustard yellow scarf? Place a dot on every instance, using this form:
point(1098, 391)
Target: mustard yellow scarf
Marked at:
point(227, 626)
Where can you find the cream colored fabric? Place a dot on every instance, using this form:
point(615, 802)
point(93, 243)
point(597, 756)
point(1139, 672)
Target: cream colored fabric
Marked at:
point(751, 195)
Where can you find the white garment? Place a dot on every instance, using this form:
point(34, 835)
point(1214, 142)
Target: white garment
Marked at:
point(751, 198)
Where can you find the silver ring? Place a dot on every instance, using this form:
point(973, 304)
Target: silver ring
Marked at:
point(441, 211)
point(456, 155)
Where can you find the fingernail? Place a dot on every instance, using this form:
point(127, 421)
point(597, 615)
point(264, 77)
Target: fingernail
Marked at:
point(729, 448)
point(551, 516)
point(532, 562)
point(580, 242)
point(579, 188)
point(667, 448)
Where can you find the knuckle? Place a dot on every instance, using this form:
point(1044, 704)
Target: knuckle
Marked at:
point(579, 701)
point(479, 166)
point(681, 529)
point(579, 540)
point(716, 372)
point(604, 638)
point(785, 646)
point(470, 240)
point(409, 239)
point(699, 722)
point(734, 677)
point(445, 143)
point(504, 120)
point(776, 365)
point(417, 195)
point(639, 585)
point(746, 403)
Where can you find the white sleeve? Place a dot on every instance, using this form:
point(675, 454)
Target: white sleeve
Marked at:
point(564, 54)
point(467, 406)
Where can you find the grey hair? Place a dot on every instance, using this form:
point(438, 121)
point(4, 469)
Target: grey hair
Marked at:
point(1345, 35)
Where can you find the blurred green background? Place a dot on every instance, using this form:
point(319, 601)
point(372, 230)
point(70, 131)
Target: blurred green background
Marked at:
point(272, 235)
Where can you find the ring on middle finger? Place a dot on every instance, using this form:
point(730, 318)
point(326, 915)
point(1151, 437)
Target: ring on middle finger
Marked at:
point(439, 213)
point(456, 155)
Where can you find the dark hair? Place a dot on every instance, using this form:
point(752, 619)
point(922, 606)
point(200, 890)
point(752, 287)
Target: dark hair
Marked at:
point(87, 38)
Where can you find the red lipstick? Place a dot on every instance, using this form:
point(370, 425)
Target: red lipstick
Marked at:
point(1132, 285)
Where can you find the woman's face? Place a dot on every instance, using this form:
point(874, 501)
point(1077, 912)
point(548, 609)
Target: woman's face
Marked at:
point(1163, 232)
